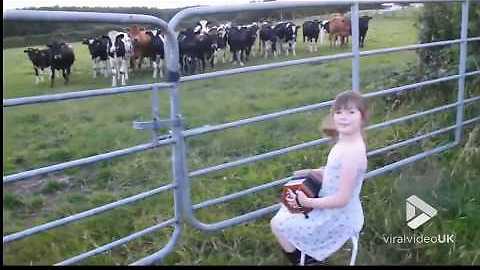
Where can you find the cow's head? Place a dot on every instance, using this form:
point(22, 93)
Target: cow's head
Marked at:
point(202, 27)
point(31, 52)
point(365, 19)
point(56, 49)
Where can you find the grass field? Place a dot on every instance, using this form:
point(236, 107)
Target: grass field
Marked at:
point(45, 134)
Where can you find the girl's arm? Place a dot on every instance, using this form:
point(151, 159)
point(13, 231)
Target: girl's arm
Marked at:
point(317, 173)
point(348, 175)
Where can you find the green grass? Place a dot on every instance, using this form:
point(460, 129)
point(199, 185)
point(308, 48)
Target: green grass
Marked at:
point(46, 134)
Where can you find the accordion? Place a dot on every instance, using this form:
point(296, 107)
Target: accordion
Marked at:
point(308, 185)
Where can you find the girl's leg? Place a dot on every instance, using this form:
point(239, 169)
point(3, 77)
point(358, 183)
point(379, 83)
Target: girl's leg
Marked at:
point(282, 240)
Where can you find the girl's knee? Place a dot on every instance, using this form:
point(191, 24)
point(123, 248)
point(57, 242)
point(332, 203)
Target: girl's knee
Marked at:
point(275, 223)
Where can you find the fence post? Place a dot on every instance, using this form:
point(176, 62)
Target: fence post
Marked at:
point(355, 48)
point(461, 72)
point(155, 113)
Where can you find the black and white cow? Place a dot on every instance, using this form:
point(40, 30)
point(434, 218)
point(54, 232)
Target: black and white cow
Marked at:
point(267, 39)
point(222, 42)
point(158, 52)
point(311, 30)
point(324, 30)
point(240, 41)
point(61, 58)
point(40, 59)
point(120, 50)
point(98, 48)
point(189, 50)
point(287, 36)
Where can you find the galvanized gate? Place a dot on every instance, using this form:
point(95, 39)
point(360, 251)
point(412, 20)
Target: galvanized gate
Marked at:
point(178, 135)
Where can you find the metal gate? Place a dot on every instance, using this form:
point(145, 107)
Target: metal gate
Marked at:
point(184, 210)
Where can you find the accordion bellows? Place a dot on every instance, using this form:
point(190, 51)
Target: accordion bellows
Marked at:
point(309, 185)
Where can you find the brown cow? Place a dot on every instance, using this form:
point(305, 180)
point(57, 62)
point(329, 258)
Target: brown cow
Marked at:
point(339, 27)
point(142, 44)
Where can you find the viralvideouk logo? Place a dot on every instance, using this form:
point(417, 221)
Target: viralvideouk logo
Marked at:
point(427, 212)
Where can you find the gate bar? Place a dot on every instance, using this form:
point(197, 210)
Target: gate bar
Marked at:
point(461, 71)
point(354, 25)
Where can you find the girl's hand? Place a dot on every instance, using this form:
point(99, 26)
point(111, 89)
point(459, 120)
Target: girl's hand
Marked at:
point(302, 198)
point(291, 199)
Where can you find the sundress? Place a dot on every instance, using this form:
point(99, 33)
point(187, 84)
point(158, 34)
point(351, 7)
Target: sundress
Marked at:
point(326, 230)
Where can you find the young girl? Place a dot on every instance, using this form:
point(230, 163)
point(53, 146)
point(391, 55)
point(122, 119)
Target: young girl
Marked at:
point(337, 213)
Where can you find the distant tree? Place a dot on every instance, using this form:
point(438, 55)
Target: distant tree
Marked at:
point(441, 21)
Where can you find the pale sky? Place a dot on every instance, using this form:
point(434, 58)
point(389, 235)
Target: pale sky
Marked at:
point(12, 4)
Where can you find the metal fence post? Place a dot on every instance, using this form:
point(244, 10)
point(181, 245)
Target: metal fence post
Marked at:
point(461, 71)
point(355, 48)
point(155, 112)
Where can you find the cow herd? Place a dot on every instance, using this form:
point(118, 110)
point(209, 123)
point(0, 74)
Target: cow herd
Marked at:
point(117, 53)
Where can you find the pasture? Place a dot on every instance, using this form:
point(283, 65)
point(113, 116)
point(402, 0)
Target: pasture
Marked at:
point(45, 134)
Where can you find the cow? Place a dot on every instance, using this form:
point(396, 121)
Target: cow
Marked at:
point(363, 28)
point(210, 45)
point(98, 48)
point(142, 44)
point(267, 40)
point(189, 50)
point(324, 29)
point(221, 41)
point(339, 28)
point(120, 51)
point(158, 53)
point(241, 40)
point(311, 30)
point(287, 36)
point(61, 58)
point(252, 30)
point(40, 59)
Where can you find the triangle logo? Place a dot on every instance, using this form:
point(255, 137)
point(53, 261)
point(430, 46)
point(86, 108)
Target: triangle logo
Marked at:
point(417, 218)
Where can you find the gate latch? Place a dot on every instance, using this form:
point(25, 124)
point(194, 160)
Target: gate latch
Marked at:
point(157, 123)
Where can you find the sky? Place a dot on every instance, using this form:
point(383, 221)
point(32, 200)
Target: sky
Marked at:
point(12, 4)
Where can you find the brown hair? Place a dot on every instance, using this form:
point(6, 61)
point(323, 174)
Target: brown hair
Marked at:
point(341, 101)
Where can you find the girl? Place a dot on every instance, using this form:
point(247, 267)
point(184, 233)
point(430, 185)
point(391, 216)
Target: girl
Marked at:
point(337, 213)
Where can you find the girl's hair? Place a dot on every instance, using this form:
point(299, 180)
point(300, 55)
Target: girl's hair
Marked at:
point(343, 100)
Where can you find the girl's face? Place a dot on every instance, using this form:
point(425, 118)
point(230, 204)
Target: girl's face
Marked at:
point(348, 120)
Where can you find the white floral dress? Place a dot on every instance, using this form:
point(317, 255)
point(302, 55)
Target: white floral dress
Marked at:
point(326, 230)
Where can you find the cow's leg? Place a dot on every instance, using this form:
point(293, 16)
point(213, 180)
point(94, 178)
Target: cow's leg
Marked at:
point(94, 68)
point(41, 74)
point(37, 78)
point(285, 45)
point(123, 71)
point(160, 66)
point(239, 56)
point(106, 68)
point(224, 54)
point(114, 72)
point(155, 68)
point(65, 76)
point(52, 77)
point(316, 44)
point(294, 44)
